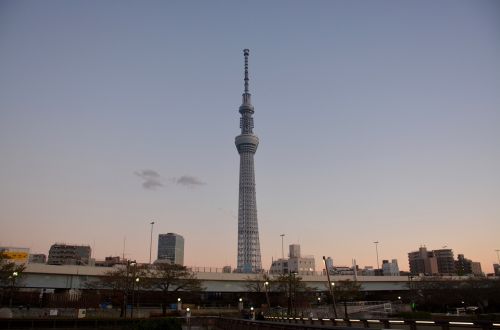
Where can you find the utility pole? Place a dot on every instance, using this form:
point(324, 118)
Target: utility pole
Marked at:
point(151, 241)
point(376, 250)
point(282, 249)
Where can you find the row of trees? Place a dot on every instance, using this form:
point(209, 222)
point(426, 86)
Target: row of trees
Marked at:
point(435, 294)
point(167, 278)
point(298, 294)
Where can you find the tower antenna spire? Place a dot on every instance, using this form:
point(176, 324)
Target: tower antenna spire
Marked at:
point(246, 52)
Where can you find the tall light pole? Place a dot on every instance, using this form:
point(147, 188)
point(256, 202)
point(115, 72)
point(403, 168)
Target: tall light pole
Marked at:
point(126, 292)
point(282, 249)
point(330, 287)
point(151, 241)
point(266, 287)
point(13, 284)
point(376, 250)
point(498, 257)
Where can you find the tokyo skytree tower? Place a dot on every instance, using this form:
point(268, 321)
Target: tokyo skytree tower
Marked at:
point(248, 229)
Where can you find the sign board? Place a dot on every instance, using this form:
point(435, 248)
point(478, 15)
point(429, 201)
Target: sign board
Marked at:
point(82, 312)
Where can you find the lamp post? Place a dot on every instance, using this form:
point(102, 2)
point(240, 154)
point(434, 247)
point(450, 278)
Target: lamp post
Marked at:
point(282, 248)
point(134, 282)
point(13, 284)
point(330, 287)
point(151, 241)
point(240, 304)
point(125, 294)
point(179, 304)
point(376, 250)
point(266, 287)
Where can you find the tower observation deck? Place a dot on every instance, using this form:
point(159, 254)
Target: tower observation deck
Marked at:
point(249, 260)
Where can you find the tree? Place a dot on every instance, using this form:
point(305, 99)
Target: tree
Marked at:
point(346, 291)
point(296, 290)
point(257, 282)
point(120, 280)
point(171, 278)
point(10, 272)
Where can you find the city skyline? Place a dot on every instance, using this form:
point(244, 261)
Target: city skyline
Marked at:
point(381, 122)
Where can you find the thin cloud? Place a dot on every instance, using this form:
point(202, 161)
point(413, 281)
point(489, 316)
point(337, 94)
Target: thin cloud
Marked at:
point(151, 179)
point(189, 181)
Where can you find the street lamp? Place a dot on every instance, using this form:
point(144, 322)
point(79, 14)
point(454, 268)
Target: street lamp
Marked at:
point(179, 304)
point(282, 249)
point(376, 250)
point(240, 304)
point(151, 241)
point(266, 287)
point(126, 291)
point(13, 284)
point(136, 282)
point(330, 287)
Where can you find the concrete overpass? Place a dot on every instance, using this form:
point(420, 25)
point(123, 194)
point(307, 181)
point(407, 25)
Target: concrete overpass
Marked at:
point(40, 276)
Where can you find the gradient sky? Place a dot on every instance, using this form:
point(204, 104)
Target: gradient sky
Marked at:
point(378, 121)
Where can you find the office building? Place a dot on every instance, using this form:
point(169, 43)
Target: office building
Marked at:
point(422, 262)
point(294, 264)
point(445, 261)
point(65, 254)
point(466, 266)
point(249, 258)
point(390, 268)
point(496, 269)
point(37, 258)
point(171, 248)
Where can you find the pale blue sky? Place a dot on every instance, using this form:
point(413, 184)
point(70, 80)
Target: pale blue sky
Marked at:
point(378, 120)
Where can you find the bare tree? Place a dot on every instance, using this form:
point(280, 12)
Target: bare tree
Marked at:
point(170, 278)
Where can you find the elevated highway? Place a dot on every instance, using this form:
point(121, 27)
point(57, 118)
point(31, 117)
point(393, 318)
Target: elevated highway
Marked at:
point(76, 277)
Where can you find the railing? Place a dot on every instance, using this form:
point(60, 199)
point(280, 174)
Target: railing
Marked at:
point(267, 324)
point(390, 323)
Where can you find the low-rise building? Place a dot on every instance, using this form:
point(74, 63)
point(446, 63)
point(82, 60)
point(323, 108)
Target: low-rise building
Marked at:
point(294, 264)
point(390, 268)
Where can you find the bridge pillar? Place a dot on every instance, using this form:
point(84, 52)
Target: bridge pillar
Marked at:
point(386, 323)
point(366, 324)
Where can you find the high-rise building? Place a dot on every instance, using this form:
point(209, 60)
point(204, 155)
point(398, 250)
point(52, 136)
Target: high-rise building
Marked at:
point(445, 261)
point(423, 262)
point(171, 248)
point(466, 266)
point(249, 259)
point(64, 254)
point(496, 269)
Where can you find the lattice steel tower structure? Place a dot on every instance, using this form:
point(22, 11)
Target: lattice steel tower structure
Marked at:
point(248, 229)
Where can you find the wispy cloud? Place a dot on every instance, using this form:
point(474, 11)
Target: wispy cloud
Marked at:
point(189, 181)
point(151, 179)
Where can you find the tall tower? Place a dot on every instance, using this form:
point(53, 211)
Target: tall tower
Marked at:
point(248, 229)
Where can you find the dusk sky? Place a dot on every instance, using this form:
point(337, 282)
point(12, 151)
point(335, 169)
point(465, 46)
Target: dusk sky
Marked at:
point(377, 120)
